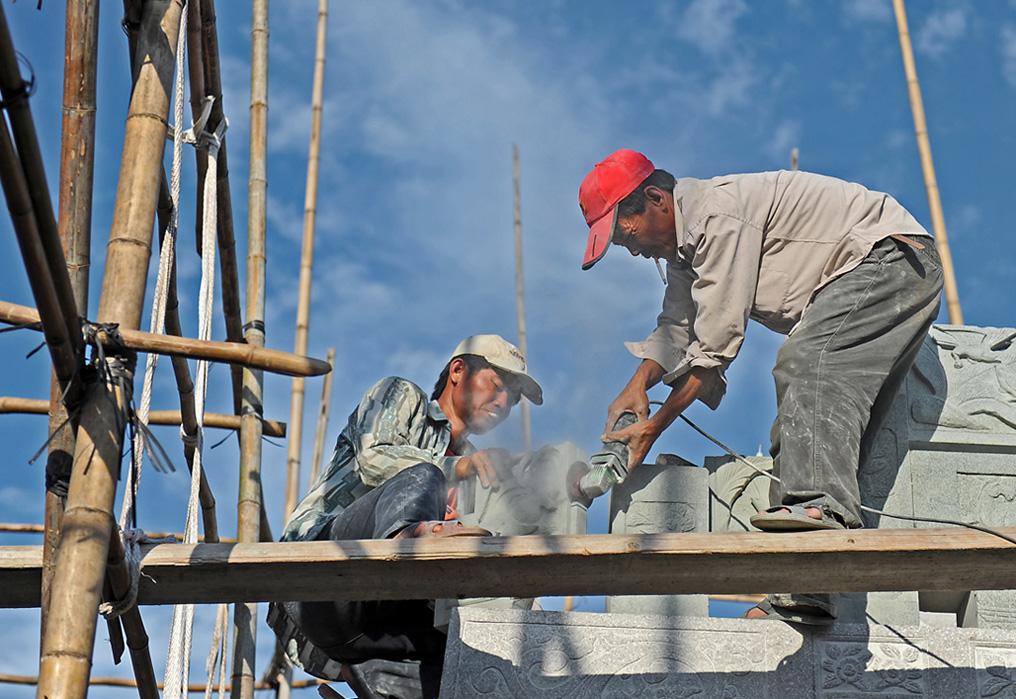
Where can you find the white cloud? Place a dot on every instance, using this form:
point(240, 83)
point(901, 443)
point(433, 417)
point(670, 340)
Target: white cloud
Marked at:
point(711, 25)
point(868, 10)
point(1008, 43)
point(941, 31)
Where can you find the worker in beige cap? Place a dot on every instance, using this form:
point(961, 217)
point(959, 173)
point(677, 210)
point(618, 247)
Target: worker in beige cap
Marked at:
point(393, 475)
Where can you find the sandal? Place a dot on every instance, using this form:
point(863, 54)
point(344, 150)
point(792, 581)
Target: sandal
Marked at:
point(817, 618)
point(440, 529)
point(793, 518)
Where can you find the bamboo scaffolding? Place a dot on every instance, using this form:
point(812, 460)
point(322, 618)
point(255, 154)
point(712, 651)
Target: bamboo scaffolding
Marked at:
point(250, 509)
point(37, 406)
point(306, 265)
point(520, 301)
point(80, 566)
point(228, 267)
point(127, 683)
point(77, 166)
point(260, 358)
point(526, 566)
point(118, 580)
point(322, 420)
point(19, 114)
point(952, 298)
point(29, 528)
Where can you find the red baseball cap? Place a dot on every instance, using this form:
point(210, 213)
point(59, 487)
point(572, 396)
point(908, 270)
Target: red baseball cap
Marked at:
point(610, 181)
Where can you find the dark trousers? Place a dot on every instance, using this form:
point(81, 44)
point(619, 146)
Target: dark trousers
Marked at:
point(354, 632)
point(837, 373)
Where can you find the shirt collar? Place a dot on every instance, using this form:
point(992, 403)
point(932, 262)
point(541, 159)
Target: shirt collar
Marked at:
point(435, 413)
point(678, 221)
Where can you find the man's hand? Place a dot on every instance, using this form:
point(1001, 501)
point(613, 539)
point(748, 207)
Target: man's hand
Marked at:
point(639, 437)
point(633, 396)
point(489, 465)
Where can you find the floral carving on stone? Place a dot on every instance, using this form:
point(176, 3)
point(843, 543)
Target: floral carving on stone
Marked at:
point(878, 669)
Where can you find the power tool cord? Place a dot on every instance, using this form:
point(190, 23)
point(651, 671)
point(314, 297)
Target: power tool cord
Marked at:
point(872, 510)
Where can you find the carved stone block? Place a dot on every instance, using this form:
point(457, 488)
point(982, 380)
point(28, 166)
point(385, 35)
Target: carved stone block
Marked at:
point(517, 655)
point(668, 496)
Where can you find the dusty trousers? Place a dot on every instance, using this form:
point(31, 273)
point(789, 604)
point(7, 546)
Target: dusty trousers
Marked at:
point(355, 632)
point(837, 373)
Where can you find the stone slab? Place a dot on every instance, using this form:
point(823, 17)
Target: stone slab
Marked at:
point(671, 495)
point(514, 654)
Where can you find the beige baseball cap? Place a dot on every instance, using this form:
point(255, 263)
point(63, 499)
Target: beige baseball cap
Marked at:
point(505, 356)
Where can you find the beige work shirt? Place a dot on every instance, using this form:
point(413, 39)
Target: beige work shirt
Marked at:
point(758, 246)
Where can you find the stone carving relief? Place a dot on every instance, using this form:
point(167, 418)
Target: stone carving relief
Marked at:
point(996, 676)
point(870, 670)
point(965, 378)
point(649, 517)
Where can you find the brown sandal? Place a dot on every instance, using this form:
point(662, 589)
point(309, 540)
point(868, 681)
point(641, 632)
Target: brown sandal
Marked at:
point(440, 529)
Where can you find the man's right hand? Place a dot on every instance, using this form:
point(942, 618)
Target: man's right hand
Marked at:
point(489, 466)
point(634, 396)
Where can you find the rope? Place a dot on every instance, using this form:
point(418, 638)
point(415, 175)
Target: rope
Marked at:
point(177, 664)
point(132, 540)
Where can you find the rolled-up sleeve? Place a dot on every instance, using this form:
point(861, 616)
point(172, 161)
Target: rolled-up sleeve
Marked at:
point(384, 443)
point(725, 270)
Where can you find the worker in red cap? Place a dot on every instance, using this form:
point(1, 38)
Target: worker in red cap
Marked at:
point(847, 273)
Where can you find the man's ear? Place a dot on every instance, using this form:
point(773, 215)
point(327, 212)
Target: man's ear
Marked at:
point(655, 196)
point(456, 371)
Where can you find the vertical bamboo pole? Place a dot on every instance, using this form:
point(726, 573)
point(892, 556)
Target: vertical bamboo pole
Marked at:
point(227, 244)
point(952, 298)
point(794, 154)
point(88, 519)
point(249, 502)
point(306, 265)
point(322, 421)
point(520, 302)
point(77, 161)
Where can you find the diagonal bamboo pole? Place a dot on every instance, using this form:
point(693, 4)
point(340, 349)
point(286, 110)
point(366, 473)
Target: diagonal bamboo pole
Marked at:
point(249, 504)
point(80, 566)
point(306, 265)
point(227, 243)
point(520, 301)
point(77, 165)
point(322, 420)
point(952, 298)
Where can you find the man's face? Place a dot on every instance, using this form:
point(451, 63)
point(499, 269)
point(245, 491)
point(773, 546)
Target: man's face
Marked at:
point(484, 398)
point(650, 233)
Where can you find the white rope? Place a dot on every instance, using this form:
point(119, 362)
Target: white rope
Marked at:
point(132, 540)
point(217, 653)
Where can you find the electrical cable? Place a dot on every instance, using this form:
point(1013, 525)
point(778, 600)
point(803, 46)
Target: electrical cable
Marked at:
point(872, 510)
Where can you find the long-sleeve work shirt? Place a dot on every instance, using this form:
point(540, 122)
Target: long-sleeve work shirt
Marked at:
point(395, 426)
point(758, 246)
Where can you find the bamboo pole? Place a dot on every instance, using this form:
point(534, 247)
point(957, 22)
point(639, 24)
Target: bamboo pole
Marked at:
point(77, 166)
point(794, 155)
point(520, 302)
point(127, 683)
point(80, 566)
point(23, 528)
point(118, 579)
point(38, 406)
point(256, 357)
point(322, 420)
point(952, 298)
point(306, 265)
point(19, 114)
point(228, 267)
point(249, 501)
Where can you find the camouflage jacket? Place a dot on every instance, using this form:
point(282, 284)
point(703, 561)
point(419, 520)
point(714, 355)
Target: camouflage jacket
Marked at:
point(395, 426)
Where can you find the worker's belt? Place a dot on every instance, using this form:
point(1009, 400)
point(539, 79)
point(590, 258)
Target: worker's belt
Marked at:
point(907, 241)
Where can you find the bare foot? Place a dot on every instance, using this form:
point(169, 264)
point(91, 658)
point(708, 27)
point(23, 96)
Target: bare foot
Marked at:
point(812, 512)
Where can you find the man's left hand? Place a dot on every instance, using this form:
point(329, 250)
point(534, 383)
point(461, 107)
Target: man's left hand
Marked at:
point(639, 437)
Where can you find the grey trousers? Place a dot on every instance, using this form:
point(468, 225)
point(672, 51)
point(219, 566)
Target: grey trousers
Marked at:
point(837, 374)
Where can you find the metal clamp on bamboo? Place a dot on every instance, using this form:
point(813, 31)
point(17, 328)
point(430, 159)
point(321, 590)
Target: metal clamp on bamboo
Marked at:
point(274, 361)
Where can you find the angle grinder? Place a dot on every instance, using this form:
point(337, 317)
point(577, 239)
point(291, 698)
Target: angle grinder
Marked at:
point(609, 466)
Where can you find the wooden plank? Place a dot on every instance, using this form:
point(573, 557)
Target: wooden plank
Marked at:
point(262, 358)
point(528, 566)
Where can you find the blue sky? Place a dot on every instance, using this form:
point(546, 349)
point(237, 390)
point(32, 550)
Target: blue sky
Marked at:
point(414, 247)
